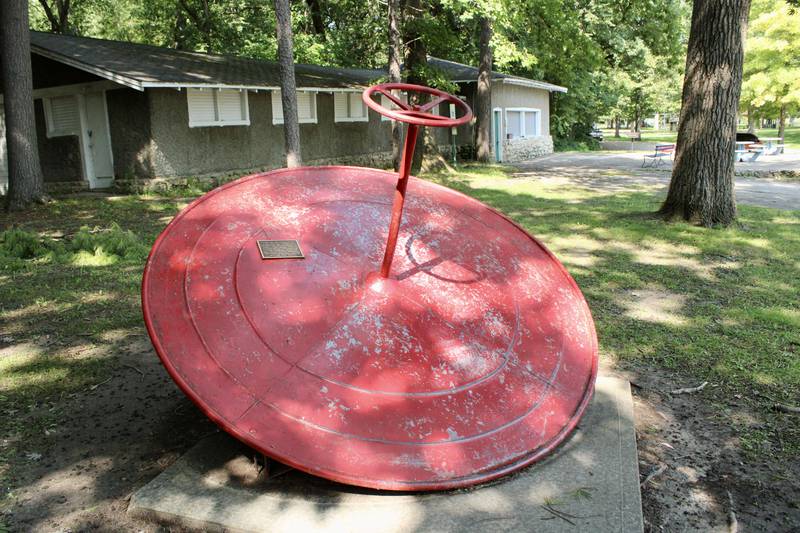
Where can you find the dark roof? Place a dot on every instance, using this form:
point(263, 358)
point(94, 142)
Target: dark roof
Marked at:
point(140, 65)
point(465, 73)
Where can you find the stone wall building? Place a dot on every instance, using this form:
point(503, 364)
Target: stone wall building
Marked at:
point(113, 112)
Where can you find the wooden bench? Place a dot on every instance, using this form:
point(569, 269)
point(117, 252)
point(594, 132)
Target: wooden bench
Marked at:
point(657, 157)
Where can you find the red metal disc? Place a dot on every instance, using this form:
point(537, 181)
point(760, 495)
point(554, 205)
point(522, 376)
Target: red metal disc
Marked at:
point(476, 357)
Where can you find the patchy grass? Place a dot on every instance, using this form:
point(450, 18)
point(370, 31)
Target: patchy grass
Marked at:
point(791, 137)
point(718, 305)
point(70, 273)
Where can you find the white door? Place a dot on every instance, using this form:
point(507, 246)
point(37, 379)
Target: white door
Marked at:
point(99, 140)
point(3, 154)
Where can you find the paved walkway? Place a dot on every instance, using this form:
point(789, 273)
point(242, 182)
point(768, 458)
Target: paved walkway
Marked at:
point(621, 171)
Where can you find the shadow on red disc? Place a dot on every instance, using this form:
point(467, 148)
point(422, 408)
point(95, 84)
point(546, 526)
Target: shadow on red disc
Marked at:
point(475, 358)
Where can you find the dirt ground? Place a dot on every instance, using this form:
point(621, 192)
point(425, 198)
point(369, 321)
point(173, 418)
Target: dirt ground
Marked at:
point(115, 437)
point(707, 474)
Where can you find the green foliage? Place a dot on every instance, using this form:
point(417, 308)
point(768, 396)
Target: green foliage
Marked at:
point(87, 247)
point(113, 240)
point(561, 144)
point(617, 57)
point(772, 59)
point(20, 244)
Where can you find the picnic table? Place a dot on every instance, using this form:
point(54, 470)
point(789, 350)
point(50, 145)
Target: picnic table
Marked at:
point(748, 147)
point(774, 145)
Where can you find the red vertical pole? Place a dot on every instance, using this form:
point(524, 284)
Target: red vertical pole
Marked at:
point(399, 198)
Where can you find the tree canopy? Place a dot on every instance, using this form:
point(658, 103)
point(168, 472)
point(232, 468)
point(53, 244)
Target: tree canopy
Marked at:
point(772, 60)
point(615, 56)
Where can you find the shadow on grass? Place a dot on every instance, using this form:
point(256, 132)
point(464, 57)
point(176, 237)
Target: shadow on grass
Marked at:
point(83, 389)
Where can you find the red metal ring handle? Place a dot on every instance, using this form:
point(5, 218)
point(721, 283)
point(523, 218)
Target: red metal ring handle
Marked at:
point(417, 114)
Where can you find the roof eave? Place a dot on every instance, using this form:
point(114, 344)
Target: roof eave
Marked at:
point(103, 73)
point(183, 85)
point(525, 83)
point(535, 84)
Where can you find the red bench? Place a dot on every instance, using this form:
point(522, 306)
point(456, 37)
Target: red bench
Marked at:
point(657, 158)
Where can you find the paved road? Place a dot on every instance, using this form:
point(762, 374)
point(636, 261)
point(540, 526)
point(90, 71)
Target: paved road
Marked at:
point(615, 171)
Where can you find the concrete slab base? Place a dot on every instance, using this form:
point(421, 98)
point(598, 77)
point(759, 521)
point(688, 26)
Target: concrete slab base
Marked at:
point(590, 484)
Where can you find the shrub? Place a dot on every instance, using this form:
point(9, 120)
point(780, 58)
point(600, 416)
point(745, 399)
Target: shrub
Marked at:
point(114, 241)
point(21, 244)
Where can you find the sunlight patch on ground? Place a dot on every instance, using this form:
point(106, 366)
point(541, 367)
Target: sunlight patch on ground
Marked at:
point(98, 297)
point(789, 317)
point(96, 259)
point(115, 335)
point(656, 306)
point(18, 351)
point(32, 310)
point(661, 253)
point(575, 249)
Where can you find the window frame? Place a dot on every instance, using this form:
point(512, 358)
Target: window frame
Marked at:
point(348, 95)
point(50, 128)
point(522, 112)
point(218, 122)
point(275, 93)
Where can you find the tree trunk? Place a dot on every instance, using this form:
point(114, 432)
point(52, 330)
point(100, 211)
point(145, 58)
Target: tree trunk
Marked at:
point(782, 125)
point(59, 21)
point(483, 98)
point(316, 17)
point(616, 127)
point(202, 23)
point(395, 57)
point(291, 125)
point(701, 189)
point(751, 120)
point(25, 182)
point(416, 61)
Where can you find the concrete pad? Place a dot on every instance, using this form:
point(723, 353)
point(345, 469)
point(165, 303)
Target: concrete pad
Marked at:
point(592, 480)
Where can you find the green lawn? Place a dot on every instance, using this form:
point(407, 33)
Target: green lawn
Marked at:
point(717, 305)
point(791, 138)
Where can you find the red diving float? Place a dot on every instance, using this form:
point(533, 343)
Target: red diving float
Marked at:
point(446, 352)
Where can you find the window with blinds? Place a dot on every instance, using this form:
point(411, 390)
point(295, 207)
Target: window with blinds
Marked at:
point(388, 104)
point(349, 107)
point(522, 123)
point(61, 116)
point(217, 107)
point(306, 107)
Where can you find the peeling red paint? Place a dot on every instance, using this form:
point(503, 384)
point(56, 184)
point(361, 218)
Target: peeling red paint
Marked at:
point(457, 353)
point(476, 357)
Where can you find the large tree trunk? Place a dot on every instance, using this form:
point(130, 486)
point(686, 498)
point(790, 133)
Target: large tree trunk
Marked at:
point(416, 61)
point(395, 55)
point(701, 188)
point(483, 98)
point(616, 127)
point(291, 124)
point(25, 183)
point(782, 125)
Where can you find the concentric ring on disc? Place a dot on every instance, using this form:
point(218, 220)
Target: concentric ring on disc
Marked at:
point(477, 357)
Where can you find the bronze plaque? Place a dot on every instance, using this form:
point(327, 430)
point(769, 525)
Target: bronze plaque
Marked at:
point(289, 249)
